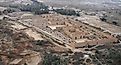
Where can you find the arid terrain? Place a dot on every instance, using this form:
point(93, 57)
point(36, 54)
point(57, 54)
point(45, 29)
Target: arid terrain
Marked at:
point(65, 32)
point(112, 8)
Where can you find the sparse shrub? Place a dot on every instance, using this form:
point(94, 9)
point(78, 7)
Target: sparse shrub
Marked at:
point(41, 42)
point(114, 57)
point(37, 8)
point(51, 59)
point(103, 19)
point(110, 56)
point(69, 12)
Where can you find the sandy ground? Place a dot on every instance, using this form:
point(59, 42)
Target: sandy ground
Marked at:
point(33, 34)
point(94, 21)
point(30, 32)
point(16, 25)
